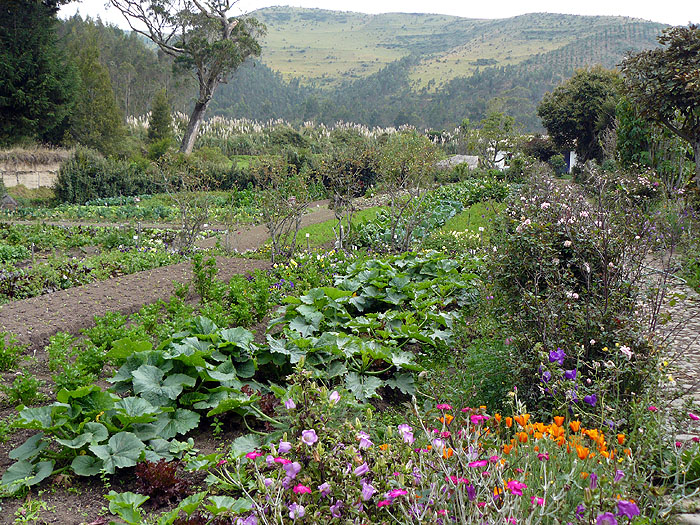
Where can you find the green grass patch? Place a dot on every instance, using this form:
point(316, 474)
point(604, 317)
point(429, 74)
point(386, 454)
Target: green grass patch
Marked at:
point(322, 233)
point(479, 215)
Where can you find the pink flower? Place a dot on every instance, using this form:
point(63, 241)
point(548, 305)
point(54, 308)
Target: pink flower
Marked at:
point(543, 456)
point(444, 406)
point(396, 493)
point(652, 408)
point(537, 501)
point(494, 459)
point(221, 462)
point(302, 489)
point(694, 417)
point(253, 455)
point(480, 463)
point(284, 461)
point(384, 503)
point(441, 512)
point(516, 487)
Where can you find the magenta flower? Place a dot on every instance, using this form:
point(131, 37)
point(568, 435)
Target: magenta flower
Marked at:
point(516, 487)
point(537, 501)
point(283, 461)
point(444, 406)
point(253, 455)
point(396, 493)
point(361, 470)
point(384, 503)
point(694, 417)
point(652, 408)
point(627, 509)
point(543, 456)
point(309, 437)
point(301, 489)
point(480, 463)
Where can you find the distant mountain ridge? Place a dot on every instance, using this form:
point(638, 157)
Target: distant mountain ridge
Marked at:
point(325, 48)
point(425, 70)
point(430, 71)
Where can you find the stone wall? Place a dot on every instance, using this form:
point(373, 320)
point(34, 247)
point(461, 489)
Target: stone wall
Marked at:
point(14, 173)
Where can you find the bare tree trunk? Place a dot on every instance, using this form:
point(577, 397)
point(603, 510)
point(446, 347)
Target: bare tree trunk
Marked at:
point(193, 127)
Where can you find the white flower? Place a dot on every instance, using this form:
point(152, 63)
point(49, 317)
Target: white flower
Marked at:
point(626, 351)
point(567, 244)
point(545, 205)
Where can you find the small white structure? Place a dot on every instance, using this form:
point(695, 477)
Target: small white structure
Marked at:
point(472, 162)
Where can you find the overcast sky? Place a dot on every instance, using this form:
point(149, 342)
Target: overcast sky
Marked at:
point(675, 12)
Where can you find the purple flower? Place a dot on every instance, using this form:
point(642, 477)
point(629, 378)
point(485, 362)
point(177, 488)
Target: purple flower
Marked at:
point(546, 376)
point(591, 400)
point(570, 374)
point(557, 355)
point(627, 509)
point(335, 509)
point(618, 475)
point(406, 433)
point(580, 510)
point(594, 481)
point(268, 481)
point(292, 469)
point(334, 397)
point(363, 437)
point(298, 511)
point(606, 518)
point(324, 489)
point(361, 470)
point(367, 491)
point(289, 404)
point(309, 437)
point(471, 492)
point(284, 447)
point(250, 520)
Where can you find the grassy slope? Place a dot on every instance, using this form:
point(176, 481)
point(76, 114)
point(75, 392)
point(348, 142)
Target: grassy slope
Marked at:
point(328, 48)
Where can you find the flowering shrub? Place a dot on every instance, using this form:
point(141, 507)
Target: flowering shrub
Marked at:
point(567, 272)
point(448, 466)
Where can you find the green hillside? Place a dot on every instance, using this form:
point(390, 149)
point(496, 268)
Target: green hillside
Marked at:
point(328, 48)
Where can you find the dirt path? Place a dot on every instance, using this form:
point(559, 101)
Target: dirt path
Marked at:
point(34, 320)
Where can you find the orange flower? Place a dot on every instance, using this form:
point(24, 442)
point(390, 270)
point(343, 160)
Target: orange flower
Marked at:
point(621, 439)
point(384, 446)
point(537, 448)
point(575, 425)
point(584, 475)
point(447, 419)
point(538, 435)
point(497, 417)
point(448, 453)
point(605, 454)
point(559, 420)
point(627, 451)
point(582, 452)
point(509, 422)
point(522, 419)
point(522, 437)
point(507, 448)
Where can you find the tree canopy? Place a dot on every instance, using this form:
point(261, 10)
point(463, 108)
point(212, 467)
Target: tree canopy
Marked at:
point(37, 84)
point(579, 110)
point(664, 84)
point(202, 37)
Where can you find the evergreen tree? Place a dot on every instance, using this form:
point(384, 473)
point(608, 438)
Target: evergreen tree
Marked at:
point(37, 84)
point(160, 125)
point(97, 121)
